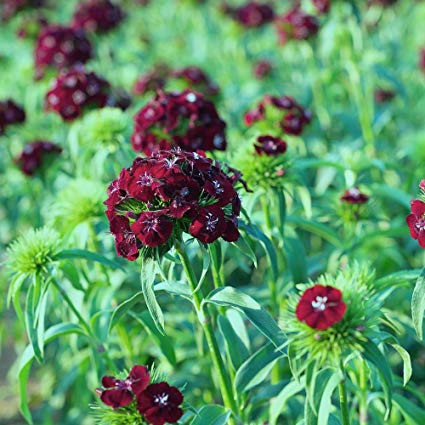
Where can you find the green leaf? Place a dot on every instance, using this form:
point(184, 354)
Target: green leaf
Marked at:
point(372, 353)
point(27, 357)
point(278, 403)
point(259, 317)
point(296, 259)
point(87, 255)
point(326, 399)
point(409, 409)
point(211, 414)
point(242, 244)
point(147, 278)
point(238, 353)
point(418, 304)
point(397, 278)
point(407, 363)
point(164, 343)
point(30, 324)
point(180, 288)
point(122, 309)
point(257, 367)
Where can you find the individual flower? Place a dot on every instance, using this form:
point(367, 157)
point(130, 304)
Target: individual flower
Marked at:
point(10, 113)
point(296, 25)
point(293, 120)
point(253, 14)
point(197, 80)
point(354, 196)
point(262, 69)
point(121, 392)
point(269, 145)
point(416, 219)
point(35, 155)
point(159, 403)
point(74, 90)
point(61, 47)
point(383, 96)
point(9, 8)
point(182, 119)
point(320, 307)
point(152, 81)
point(159, 197)
point(97, 15)
point(322, 6)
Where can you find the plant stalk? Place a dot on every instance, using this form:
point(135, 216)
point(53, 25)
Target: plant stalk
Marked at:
point(343, 400)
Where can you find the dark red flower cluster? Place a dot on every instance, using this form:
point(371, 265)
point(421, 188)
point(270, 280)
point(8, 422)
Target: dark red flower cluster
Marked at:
point(10, 113)
point(296, 25)
point(416, 219)
point(382, 95)
point(252, 14)
point(97, 15)
point(75, 89)
point(322, 6)
point(320, 307)
point(61, 47)
point(183, 119)
point(34, 155)
point(197, 80)
point(158, 403)
point(269, 145)
point(295, 117)
point(354, 196)
point(262, 68)
point(152, 81)
point(9, 8)
point(169, 193)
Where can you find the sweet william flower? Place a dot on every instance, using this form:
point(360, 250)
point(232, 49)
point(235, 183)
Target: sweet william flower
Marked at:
point(252, 14)
point(97, 15)
point(354, 196)
point(159, 404)
point(269, 145)
point(320, 307)
point(74, 90)
point(416, 221)
point(34, 154)
point(121, 392)
point(152, 228)
point(10, 113)
point(61, 47)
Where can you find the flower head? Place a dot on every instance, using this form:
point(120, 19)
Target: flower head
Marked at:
point(197, 80)
point(296, 25)
point(159, 403)
point(253, 14)
point(320, 307)
point(61, 47)
point(183, 119)
point(35, 154)
point(354, 196)
point(10, 113)
point(97, 15)
point(74, 90)
point(416, 221)
point(121, 392)
point(159, 197)
point(269, 145)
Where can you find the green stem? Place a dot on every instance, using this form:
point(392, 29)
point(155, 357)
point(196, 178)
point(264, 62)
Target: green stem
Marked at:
point(343, 400)
point(363, 415)
point(266, 214)
point(223, 376)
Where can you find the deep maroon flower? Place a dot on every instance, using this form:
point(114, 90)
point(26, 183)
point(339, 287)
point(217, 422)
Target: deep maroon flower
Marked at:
point(159, 403)
point(61, 47)
point(251, 15)
point(10, 113)
point(197, 79)
point(320, 307)
point(9, 8)
point(184, 119)
point(35, 154)
point(74, 90)
point(322, 6)
point(152, 81)
point(97, 15)
point(262, 69)
point(294, 118)
point(382, 96)
point(354, 196)
point(296, 25)
point(159, 197)
point(269, 145)
point(416, 220)
point(120, 392)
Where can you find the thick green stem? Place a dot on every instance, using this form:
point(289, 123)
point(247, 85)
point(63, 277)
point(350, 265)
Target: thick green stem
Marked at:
point(205, 319)
point(343, 400)
point(266, 213)
point(363, 415)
